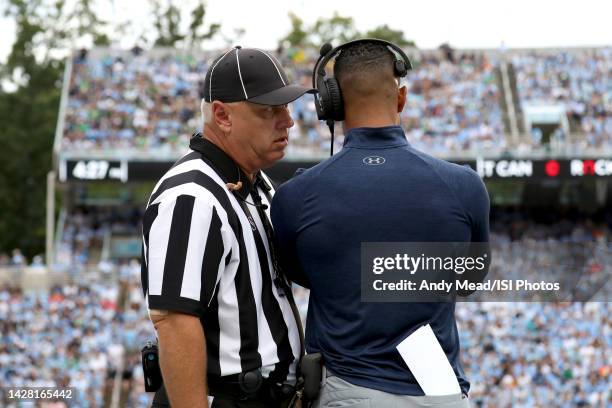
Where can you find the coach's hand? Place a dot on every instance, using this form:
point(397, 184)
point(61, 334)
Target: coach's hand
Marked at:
point(182, 357)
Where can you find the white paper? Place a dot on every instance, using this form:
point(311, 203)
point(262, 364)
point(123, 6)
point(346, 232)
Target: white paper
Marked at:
point(428, 363)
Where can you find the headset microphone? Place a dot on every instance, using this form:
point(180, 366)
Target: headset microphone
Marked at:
point(325, 49)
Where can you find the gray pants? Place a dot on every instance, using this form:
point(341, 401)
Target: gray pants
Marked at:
point(338, 393)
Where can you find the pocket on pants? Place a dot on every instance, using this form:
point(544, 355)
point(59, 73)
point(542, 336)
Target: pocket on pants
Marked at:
point(338, 393)
point(448, 401)
point(349, 403)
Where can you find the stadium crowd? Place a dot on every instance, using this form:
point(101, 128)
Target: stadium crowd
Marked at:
point(571, 249)
point(84, 231)
point(74, 335)
point(17, 259)
point(139, 101)
point(149, 101)
point(517, 354)
point(453, 105)
point(579, 80)
point(520, 354)
point(133, 100)
point(70, 336)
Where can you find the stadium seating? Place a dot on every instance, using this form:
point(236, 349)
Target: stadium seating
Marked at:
point(122, 101)
point(126, 103)
point(517, 354)
point(70, 336)
point(85, 231)
point(453, 106)
point(580, 80)
point(148, 102)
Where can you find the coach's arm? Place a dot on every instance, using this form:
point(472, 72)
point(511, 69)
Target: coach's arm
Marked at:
point(477, 204)
point(285, 212)
point(182, 357)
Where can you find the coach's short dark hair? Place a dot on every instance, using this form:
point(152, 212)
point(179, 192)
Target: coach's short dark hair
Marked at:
point(363, 57)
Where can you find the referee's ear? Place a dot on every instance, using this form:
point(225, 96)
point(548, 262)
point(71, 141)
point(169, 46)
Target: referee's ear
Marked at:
point(221, 116)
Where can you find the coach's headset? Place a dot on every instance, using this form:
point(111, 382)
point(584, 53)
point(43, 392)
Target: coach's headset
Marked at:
point(328, 100)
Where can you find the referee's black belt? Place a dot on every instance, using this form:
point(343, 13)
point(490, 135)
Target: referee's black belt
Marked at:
point(249, 386)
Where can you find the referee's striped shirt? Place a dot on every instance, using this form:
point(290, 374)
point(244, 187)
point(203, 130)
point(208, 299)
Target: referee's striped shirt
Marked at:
point(205, 253)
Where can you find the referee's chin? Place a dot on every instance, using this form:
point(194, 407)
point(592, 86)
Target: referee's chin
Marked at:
point(272, 158)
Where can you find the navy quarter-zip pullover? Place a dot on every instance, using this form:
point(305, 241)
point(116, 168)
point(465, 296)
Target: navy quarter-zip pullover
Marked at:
point(377, 189)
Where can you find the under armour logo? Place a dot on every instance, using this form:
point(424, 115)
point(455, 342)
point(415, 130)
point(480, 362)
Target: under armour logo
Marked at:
point(373, 160)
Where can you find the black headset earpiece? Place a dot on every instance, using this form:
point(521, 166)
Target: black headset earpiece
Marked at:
point(400, 68)
point(334, 102)
point(319, 83)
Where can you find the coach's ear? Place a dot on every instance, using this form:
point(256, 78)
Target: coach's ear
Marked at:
point(221, 113)
point(401, 98)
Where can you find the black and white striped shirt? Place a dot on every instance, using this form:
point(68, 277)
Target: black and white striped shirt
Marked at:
point(205, 253)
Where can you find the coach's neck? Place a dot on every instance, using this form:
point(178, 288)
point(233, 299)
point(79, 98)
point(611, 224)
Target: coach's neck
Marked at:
point(372, 117)
point(379, 108)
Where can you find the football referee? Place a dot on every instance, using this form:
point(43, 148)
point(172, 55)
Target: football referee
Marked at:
point(229, 334)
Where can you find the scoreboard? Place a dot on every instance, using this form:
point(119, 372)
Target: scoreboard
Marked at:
point(489, 169)
point(543, 169)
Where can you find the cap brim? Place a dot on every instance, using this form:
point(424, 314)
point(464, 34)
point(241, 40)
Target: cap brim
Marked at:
point(282, 96)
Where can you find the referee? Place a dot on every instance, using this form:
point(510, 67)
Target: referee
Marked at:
point(224, 315)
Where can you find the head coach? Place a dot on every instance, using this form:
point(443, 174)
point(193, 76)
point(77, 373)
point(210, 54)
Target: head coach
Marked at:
point(227, 326)
point(377, 189)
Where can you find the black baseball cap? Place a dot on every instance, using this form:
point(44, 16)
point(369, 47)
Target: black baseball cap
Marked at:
point(250, 74)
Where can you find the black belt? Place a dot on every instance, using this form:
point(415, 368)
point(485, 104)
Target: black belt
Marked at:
point(249, 386)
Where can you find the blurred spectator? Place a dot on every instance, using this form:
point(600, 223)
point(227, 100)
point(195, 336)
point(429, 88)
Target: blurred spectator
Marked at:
point(37, 261)
point(5, 260)
point(18, 259)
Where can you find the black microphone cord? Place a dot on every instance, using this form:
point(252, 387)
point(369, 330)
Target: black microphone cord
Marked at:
point(262, 205)
point(330, 124)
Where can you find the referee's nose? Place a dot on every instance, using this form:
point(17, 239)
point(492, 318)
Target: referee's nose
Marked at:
point(285, 121)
